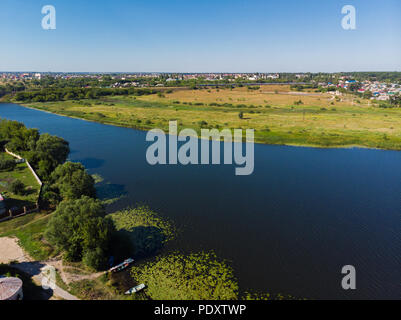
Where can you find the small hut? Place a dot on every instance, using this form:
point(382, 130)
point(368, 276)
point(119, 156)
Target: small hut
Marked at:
point(10, 289)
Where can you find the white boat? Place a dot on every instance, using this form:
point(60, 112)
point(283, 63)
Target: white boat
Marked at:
point(122, 266)
point(135, 289)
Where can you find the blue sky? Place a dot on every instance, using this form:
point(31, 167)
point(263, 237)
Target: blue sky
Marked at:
point(200, 36)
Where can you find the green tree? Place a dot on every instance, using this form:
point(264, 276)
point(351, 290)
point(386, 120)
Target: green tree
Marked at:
point(73, 181)
point(95, 259)
point(50, 152)
point(78, 227)
point(17, 137)
point(367, 94)
point(396, 101)
point(50, 196)
point(7, 165)
point(17, 187)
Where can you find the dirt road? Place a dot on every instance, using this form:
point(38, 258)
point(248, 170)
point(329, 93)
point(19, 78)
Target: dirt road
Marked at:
point(11, 252)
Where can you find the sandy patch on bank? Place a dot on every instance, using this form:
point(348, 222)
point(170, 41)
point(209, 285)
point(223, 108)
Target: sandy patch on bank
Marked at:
point(11, 251)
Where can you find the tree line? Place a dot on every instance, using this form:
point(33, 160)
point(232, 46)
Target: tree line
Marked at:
point(63, 94)
point(78, 226)
point(11, 88)
point(395, 101)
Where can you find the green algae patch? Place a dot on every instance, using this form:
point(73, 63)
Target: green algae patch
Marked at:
point(197, 276)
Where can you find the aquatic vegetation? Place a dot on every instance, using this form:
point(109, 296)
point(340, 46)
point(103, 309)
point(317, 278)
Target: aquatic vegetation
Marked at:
point(197, 276)
point(145, 229)
point(110, 193)
point(249, 295)
point(97, 178)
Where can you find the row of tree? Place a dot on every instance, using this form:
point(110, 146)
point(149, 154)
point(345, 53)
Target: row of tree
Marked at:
point(10, 88)
point(62, 94)
point(44, 152)
point(78, 226)
point(395, 101)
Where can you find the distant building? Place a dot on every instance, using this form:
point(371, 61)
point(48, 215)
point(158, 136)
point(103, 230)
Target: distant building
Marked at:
point(273, 76)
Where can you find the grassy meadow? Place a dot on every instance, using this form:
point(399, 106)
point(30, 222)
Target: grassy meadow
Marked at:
point(278, 115)
point(22, 173)
point(29, 230)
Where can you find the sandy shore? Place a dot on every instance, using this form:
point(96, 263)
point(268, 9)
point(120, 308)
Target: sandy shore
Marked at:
point(11, 251)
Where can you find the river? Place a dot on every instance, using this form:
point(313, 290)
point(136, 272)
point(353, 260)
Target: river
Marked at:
point(288, 228)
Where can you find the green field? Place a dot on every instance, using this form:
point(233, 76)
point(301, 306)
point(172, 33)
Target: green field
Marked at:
point(29, 230)
point(22, 173)
point(278, 115)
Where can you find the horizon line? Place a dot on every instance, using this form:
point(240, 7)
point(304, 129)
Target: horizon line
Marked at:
point(195, 72)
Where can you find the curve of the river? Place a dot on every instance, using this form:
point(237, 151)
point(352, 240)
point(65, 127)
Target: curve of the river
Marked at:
point(288, 228)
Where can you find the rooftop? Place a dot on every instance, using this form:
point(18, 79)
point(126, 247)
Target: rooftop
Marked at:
point(9, 287)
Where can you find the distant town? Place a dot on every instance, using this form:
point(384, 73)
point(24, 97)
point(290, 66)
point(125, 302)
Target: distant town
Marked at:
point(373, 85)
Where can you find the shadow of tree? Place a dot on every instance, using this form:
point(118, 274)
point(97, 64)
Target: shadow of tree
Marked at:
point(28, 192)
point(110, 191)
point(25, 271)
point(91, 163)
point(145, 241)
point(31, 268)
point(16, 203)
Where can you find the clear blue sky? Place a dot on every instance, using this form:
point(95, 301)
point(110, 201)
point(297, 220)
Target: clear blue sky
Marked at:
point(200, 36)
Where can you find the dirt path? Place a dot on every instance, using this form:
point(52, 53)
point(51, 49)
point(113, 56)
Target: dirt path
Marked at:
point(10, 251)
point(69, 277)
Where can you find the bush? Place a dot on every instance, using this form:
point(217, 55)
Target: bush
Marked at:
point(145, 230)
point(79, 227)
point(95, 259)
point(17, 187)
point(50, 197)
point(7, 165)
point(73, 181)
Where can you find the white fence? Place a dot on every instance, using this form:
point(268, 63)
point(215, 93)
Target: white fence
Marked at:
point(28, 164)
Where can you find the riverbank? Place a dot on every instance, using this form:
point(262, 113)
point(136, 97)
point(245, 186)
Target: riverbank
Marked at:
point(279, 118)
point(168, 274)
point(295, 204)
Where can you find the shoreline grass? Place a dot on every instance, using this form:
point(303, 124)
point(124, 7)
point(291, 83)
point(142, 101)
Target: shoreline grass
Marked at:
point(30, 235)
point(319, 120)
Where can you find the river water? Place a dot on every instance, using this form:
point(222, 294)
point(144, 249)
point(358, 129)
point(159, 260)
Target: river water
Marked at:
point(288, 228)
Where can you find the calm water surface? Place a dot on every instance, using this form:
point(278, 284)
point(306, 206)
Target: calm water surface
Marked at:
point(289, 228)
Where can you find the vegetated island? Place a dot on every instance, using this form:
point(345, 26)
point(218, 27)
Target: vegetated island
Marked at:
point(280, 114)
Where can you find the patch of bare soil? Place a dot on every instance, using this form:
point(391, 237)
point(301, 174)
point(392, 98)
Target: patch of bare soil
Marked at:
point(10, 251)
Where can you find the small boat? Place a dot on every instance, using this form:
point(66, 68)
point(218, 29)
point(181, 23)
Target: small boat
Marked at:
point(135, 289)
point(122, 266)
